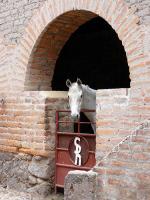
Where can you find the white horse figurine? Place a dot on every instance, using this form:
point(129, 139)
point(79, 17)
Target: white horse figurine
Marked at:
point(81, 97)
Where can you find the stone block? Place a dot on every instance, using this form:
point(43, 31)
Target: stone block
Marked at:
point(42, 189)
point(42, 168)
point(80, 185)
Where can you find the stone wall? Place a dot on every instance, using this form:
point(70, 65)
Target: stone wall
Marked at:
point(23, 172)
point(14, 16)
point(142, 8)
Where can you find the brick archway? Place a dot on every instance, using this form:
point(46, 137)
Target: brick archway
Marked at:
point(44, 55)
point(116, 13)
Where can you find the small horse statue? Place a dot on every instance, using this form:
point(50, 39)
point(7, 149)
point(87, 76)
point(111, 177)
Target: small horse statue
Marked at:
point(81, 97)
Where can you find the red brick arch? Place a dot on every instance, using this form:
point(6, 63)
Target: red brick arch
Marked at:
point(116, 13)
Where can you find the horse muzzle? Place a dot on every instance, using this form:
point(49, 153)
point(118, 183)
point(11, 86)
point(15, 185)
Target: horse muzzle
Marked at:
point(75, 117)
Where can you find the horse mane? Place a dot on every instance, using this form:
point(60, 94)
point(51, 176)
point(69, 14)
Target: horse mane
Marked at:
point(87, 88)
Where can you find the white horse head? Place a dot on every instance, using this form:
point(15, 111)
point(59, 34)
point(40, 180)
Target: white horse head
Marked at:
point(75, 96)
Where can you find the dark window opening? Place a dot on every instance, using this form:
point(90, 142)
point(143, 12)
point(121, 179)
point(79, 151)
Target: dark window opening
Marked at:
point(94, 54)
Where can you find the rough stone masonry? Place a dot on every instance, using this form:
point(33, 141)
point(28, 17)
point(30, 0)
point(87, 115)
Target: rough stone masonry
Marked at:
point(23, 172)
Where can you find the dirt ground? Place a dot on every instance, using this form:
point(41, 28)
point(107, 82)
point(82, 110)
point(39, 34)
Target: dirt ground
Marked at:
point(7, 194)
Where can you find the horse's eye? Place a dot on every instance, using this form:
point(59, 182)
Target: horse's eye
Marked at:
point(81, 95)
point(68, 97)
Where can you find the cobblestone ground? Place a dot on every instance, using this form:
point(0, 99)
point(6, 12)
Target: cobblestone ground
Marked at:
point(7, 194)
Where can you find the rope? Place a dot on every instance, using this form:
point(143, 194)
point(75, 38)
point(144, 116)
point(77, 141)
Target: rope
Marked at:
point(116, 148)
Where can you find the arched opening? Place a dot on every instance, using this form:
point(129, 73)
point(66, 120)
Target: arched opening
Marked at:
point(45, 53)
point(94, 54)
point(77, 44)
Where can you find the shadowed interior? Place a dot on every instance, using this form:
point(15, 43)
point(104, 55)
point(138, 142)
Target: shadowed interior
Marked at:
point(94, 54)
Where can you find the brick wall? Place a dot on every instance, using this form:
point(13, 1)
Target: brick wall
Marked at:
point(32, 35)
point(27, 122)
point(122, 144)
point(113, 119)
point(124, 173)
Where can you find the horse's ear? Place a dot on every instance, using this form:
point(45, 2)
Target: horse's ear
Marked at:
point(68, 83)
point(79, 81)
